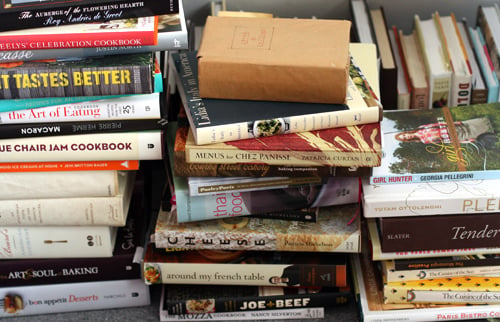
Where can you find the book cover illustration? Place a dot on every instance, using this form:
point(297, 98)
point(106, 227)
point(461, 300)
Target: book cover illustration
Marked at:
point(184, 169)
point(212, 120)
point(85, 76)
point(189, 299)
point(246, 267)
point(336, 230)
point(456, 143)
point(351, 146)
point(430, 198)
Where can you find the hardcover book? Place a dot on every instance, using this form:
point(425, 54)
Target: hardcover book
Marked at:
point(436, 60)
point(219, 205)
point(336, 230)
point(403, 84)
point(430, 198)
point(183, 169)
point(246, 267)
point(456, 143)
point(172, 35)
point(83, 76)
point(189, 299)
point(351, 146)
point(71, 297)
point(212, 120)
point(31, 14)
point(442, 267)
point(370, 297)
point(141, 145)
point(488, 22)
point(413, 233)
point(377, 254)
point(50, 211)
point(141, 31)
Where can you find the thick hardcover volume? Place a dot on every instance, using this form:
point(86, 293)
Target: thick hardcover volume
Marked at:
point(72, 297)
point(443, 267)
point(172, 35)
point(437, 62)
point(336, 230)
point(188, 299)
point(351, 146)
point(219, 205)
point(431, 198)
point(370, 298)
point(466, 290)
point(143, 145)
point(125, 165)
point(63, 184)
point(140, 31)
point(412, 55)
point(105, 75)
point(257, 268)
point(124, 264)
point(79, 127)
point(388, 68)
point(33, 14)
point(442, 144)
point(212, 120)
point(184, 169)
point(138, 106)
point(412, 233)
point(58, 210)
point(461, 77)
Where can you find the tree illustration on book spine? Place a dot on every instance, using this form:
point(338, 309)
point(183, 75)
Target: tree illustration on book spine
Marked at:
point(106, 75)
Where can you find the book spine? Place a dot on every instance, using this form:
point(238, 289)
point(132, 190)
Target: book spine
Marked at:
point(412, 275)
point(265, 303)
point(125, 165)
point(439, 232)
point(78, 127)
point(307, 275)
point(447, 262)
point(435, 177)
point(276, 314)
point(53, 242)
point(143, 145)
point(57, 14)
point(488, 24)
point(64, 184)
point(139, 106)
point(71, 297)
point(17, 82)
point(204, 188)
point(305, 215)
point(88, 35)
point(231, 204)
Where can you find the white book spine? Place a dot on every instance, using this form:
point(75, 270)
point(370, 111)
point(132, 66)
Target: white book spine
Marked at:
point(144, 145)
point(141, 106)
point(420, 274)
point(58, 298)
point(58, 184)
point(50, 241)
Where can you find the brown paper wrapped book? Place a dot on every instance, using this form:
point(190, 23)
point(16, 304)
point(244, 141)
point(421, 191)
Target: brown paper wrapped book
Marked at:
point(274, 59)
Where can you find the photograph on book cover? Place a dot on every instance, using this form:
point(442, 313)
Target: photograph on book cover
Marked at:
point(457, 143)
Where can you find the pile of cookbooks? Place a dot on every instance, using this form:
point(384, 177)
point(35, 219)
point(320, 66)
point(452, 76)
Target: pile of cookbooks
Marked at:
point(80, 107)
point(264, 164)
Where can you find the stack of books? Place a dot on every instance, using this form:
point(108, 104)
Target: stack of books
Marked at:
point(431, 212)
point(80, 107)
point(263, 195)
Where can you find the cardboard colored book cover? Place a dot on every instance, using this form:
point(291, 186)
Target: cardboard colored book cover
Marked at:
point(213, 120)
point(82, 76)
point(189, 299)
point(237, 54)
point(246, 267)
point(441, 144)
point(337, 229)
